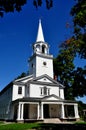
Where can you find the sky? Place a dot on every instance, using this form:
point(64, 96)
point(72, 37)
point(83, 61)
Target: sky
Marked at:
point(18, 31)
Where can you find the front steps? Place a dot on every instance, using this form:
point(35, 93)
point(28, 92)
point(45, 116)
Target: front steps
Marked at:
point(52, 120)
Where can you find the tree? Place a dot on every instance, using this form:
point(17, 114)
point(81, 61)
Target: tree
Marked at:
point(10, 6)
point(73, 78)
point(79, 19)
point(23, 74)
point(79, 84)
point(16, 5)
point(63, 69)
point(49, 3)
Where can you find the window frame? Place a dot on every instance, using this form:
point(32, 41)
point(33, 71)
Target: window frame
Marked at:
point(19, 90)
point(44, 91)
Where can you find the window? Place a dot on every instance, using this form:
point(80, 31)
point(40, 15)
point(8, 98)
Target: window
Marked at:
point(45, 91)
point(43, 48)
point(19, 90)
point(38, 47)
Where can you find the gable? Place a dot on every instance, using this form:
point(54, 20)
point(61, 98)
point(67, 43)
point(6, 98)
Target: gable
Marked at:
point(46, 79)
point(52, 97)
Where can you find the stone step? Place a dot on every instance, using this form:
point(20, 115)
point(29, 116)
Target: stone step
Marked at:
point(52, 120)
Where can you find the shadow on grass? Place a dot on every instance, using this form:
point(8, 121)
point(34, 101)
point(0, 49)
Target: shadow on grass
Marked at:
point(61, 127)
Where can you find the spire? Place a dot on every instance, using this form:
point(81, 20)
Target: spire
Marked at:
point(40, 36)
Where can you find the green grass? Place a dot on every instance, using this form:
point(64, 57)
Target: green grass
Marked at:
point(41, 126)
point(19, 126)
point(1, 122)
point(80, 122)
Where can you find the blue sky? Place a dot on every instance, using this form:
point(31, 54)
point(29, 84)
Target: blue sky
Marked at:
point(18, 32)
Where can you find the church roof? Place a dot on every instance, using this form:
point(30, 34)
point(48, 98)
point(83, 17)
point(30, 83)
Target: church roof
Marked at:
point(43, 79)
point(5, 88)
point(24, 79)
point(34, 99)
point(40, 36)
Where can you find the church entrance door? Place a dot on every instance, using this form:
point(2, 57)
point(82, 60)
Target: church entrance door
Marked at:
point(46, 111)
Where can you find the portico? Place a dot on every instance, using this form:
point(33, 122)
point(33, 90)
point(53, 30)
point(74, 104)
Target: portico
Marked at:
point(40, 110)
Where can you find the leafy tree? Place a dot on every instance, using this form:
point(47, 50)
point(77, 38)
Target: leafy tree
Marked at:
point(63, 68)
point(11, 6)
point(23, 74)
point(73, 78)
point(79, 84)
point(16, 5)
point(49, 3)
point(79, 19)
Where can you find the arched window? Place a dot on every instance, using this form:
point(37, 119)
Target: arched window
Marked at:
point(38, 47)
point(43, 48)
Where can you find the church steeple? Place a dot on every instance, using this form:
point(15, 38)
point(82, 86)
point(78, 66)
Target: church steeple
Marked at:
point(40, 46)
point(41, 62)
point(40, 36)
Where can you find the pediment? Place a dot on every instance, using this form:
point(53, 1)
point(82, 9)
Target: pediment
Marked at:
point(51, 98)
point(45, 78)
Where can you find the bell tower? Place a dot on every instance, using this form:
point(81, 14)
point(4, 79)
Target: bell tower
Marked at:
point(41, 62)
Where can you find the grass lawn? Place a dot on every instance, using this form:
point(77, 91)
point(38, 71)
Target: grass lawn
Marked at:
point(42, 126)
point(18, 126)
point(1, 122)
point(80, 122)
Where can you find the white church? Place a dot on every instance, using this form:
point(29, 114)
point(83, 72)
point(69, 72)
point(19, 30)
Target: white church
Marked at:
point(37, 96)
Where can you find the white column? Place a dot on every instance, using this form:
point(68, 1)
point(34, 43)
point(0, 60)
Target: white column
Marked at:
point(62, 111)
point(18, 112)
point(42, 111)
point(38, 112)
point(76, 110)
point(22, 111)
